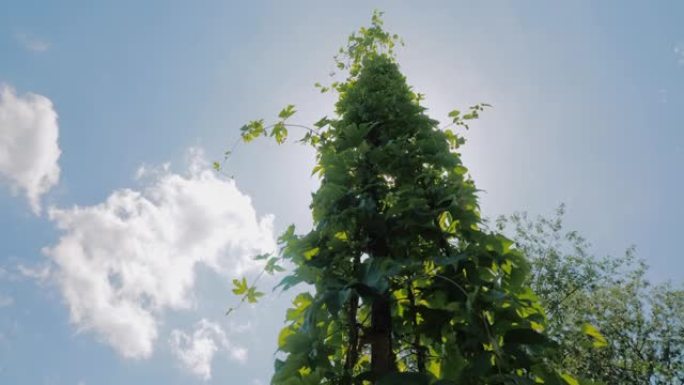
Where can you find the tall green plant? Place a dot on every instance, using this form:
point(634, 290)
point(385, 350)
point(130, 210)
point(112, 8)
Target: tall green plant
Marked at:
point(408, 286)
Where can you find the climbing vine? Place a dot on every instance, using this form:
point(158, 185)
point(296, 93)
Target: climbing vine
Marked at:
point(408, 286)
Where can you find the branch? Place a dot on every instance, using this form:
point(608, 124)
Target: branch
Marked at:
point(420, 351)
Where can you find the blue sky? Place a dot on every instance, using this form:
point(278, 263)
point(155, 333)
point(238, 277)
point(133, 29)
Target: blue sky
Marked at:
point(118, 243)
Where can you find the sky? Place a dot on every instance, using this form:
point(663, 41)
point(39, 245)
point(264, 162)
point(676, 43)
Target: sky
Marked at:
point(119, 242)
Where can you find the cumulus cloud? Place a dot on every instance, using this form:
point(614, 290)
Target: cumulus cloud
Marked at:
point(28, 144)
point(196, 351)
point(122, 263)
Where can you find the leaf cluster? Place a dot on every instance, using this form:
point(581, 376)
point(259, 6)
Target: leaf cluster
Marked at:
point(641, 339)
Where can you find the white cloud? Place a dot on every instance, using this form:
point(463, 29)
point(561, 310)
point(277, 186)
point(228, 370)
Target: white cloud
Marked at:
point(28, 144)
point(39, 273)
point(196, 352)
point(120, 264)
point(31, 42)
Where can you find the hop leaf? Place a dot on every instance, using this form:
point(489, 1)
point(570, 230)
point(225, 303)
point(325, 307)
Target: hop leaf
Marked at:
point(287, 112)
point(322, 123)
point(252, 130)
point(447, 223)
point(273, 267)
point(240, 286)
point(280, 132)
point(253, 295)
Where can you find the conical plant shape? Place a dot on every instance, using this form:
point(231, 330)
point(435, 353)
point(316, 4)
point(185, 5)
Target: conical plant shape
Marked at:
point(408, 286)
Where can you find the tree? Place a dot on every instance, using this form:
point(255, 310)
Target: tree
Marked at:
point(408, 286)
point(642, 324)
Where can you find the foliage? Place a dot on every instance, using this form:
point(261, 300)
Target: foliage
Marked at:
point(642, 325)
point(409, 287)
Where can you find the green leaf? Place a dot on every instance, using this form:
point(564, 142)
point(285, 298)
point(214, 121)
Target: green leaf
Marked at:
point(216, 166)
point(280, 132)
point(322, 123)
point(252, 130)
point(321, 87)
point(375, 272)
point(288, 235)
point(272, 266)
point(311, 253)
point(318, 169)
point(284, 334)
point(240, 286)
point(460, 170)
point(292, 341)
point(434, 368)
point(599, 340)
point(453, 139)
point(253, 295)
point(334, 299)
point(569, 380)
point(287, 112)
point(444, 220)
point(289, 281)
point(447, 223)
point(301, 302)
